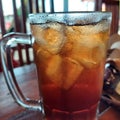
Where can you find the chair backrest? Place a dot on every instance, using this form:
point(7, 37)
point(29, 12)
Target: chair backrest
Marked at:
point(112, 6)
point(18, 24)
point(23, 53)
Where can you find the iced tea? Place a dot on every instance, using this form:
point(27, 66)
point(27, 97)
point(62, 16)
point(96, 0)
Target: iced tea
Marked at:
point(70, 64)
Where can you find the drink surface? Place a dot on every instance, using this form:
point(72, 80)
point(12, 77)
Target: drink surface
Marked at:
point(70, 65)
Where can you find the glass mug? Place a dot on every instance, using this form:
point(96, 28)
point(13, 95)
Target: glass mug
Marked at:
point(70, 52)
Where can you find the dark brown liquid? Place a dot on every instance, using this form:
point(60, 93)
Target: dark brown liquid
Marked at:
point(70, 72)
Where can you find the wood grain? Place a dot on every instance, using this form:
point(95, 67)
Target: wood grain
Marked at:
point(27, 79)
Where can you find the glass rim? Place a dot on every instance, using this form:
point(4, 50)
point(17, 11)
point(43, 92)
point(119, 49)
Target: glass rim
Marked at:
point(75, 17)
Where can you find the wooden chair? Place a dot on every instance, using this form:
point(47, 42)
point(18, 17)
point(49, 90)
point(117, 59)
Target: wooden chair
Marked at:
point(19, 24)
point(112, 6)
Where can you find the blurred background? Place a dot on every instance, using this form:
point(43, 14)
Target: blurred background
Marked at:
point(8, 7)
point(14, 17)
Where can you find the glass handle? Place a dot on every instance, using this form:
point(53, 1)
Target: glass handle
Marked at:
point(8, 41)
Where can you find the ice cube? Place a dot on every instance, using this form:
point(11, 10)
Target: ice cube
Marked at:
point(54, 70)
point(90, 57)
point(85, 45)
point(95, 51)
point(71, 41)
point(72, 35)
point(41, 54)
point(36, 32)
point(50, 37)
point(63, 72)
point(71, 71)
point(89, 50)
point(54, 40)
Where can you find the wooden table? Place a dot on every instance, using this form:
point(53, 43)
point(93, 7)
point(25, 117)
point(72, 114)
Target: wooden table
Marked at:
point(27, 80)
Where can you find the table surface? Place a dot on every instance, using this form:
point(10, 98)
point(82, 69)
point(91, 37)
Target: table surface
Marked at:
point(27, 79)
